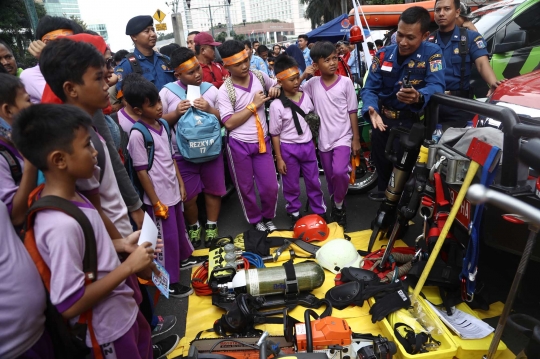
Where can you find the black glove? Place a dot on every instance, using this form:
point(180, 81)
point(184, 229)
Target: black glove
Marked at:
point(378, 289)
point(389, 304)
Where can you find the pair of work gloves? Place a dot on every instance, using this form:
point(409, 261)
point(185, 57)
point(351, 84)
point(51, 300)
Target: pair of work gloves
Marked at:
point(355, 285)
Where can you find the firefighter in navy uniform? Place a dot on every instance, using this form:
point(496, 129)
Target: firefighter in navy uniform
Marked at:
point(387, 102)
point(144, 60)
point(461, 48)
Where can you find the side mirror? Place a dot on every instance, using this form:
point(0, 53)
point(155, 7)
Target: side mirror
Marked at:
point(514, 41)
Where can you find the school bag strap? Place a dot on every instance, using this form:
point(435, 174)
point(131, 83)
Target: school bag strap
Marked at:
point(230, 87)
point(89, 267)
point(13, 163)
point(295, 109)
point(179, 91)
point(149, 140)
point(96, 142)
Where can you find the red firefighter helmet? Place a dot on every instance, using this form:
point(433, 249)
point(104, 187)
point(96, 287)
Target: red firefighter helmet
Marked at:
point(311, 228)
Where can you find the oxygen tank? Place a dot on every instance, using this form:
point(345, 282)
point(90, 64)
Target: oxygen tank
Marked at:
point(268, 281)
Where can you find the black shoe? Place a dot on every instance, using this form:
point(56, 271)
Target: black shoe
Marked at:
point(165, 347)
point(324, 217)
point(260, 226)
point(192, 261)
point(164, 324)
point(339, 216)
point(294, 219)
point(269, 225)
point(178, 290)
point(378, 196)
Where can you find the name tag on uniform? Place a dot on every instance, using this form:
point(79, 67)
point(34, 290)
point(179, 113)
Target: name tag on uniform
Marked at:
point(386, 66)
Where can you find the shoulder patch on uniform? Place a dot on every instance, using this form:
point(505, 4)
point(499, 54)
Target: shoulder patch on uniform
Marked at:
point(119, 77)
point(375, 64)
point(477, 38)
point(480, 44)
point(435, 65)
point(434, 57)
point(119, 69)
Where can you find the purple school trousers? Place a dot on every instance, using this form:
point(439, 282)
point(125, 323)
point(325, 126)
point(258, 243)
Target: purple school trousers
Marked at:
point(336, 164)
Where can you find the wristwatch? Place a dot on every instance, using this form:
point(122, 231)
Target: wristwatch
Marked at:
point(420, 98)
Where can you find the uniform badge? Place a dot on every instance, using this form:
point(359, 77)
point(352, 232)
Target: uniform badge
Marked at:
point(431, 38)
point(421, 65)
point(480, 44)
point(119, 77)
point(434, 57)
point(463, 38)
point(478, 38)
point(456, 51)
point(435, 65)
point(119, 69)
point(391, 56)
point(418, 56)
point(165, 68)
point(411, 64)
point(386, 66)
point(374, 66)
point(416, 82)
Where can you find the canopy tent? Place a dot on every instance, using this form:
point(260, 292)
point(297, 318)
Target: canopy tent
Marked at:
point(333, 31)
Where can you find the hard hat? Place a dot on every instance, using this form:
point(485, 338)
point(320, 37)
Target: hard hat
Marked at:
point(311, 228)
point(338, 254)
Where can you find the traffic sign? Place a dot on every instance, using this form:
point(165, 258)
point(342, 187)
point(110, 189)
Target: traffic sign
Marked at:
point(161, 27)
point(159, 15)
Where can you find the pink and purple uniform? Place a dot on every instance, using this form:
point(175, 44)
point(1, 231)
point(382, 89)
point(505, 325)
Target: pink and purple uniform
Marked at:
point(245, 161)
point(125, 120)
point(298, 153)
point(116, 319)
point(176, 244)
point(8, 187)
point(34, 83)
point(207, 177)
point(25, 336)
point(334, 104)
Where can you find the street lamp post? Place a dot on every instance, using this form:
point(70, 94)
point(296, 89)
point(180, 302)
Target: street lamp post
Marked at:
point(188, 2)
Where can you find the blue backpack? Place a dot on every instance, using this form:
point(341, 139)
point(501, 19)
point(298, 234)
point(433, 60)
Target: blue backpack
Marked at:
point(149, 145)
point(198, 133)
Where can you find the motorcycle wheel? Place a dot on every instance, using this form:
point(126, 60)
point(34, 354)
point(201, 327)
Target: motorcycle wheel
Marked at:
point(366, 176)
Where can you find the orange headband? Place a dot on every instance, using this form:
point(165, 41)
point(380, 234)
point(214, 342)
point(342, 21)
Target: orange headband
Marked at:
point(187, 65)
point(234, 59)
point(54, 34)
point(285, 74)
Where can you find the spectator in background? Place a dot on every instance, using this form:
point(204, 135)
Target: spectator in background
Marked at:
point(256, 45)
point(8, 60)
point(379, 44)
point(119, 56)
point(463, 19)
point(345, 51)
point(260, 61)
point(252, 60)
point(205, 50)
point(371, 48)
point(190, 42)
point(295, 52)
point(276, 50)
point(303, 45)
point(167, 50)
point(354, 62)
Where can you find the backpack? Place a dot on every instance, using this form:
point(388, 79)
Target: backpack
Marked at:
point(13, 163)
point(149, 145)
point(229, 86)
point(68, 342)
point(198, 133)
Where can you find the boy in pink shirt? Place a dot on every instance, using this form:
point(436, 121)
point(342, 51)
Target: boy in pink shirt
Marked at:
point(241, 105)
point(56, 139)
point(163, 186)
point(207, 177)
point(293, 141)
point(336, 104)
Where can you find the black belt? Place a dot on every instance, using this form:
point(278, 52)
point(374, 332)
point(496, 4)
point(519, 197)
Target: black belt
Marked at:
point(393, 114)
point(458, 93)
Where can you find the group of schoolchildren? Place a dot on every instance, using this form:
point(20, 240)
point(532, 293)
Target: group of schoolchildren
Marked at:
point(59, 140)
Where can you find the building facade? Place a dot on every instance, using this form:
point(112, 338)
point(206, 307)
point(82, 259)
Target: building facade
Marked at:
point(65, 8)
point(101, 29)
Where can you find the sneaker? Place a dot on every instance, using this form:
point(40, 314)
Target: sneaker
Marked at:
point(164, 325)
point(294, 218)
point(339, 216)
point(178, 290)
point(211, 232)
point(260, 227)
point(269, 224)
point(378, 196)
point(165, 347)
point(192, 261)
point(194, 234)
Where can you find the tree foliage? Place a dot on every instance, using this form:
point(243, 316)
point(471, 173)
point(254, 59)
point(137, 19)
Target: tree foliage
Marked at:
point(79, 21)
point(221, 36)
point(163, 36)
point(15, 29)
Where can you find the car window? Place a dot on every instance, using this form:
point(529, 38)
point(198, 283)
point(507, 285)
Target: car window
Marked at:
point(487, 23)
point(528, 21)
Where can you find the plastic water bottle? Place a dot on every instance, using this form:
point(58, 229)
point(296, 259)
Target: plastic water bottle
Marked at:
point(469, 124)
point(436, 136)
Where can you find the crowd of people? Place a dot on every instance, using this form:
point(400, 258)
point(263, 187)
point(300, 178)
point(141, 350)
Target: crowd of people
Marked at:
point(97, 133)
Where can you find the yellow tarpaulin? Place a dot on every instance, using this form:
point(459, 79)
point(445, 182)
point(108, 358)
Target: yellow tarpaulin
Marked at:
point(202, 314)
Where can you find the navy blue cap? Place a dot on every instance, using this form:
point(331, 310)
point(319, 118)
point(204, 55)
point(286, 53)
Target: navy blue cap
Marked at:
point(138, 24)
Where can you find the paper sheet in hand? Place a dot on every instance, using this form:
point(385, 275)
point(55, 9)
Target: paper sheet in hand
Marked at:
point(149, 231)
point(193, 93)
point(463, 324)
point(161, 281)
